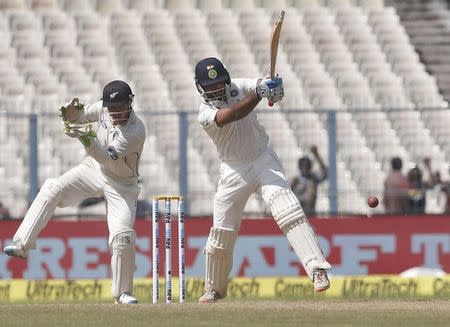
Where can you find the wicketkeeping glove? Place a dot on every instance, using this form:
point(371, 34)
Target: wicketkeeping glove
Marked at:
point(83, 132)
point(72, 112)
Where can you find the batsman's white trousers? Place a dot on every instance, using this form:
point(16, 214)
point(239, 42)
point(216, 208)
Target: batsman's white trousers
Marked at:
point(86, 181)
point(238, 181)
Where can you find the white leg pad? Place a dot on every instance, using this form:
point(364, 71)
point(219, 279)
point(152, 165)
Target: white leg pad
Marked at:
point(219, 259)
point(291, 219)
point(39, 213)
point(123, 263)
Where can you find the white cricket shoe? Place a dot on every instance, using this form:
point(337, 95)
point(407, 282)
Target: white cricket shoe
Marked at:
point(126, 298)
point(320, 280)
point(209, 297)
point(15, 250)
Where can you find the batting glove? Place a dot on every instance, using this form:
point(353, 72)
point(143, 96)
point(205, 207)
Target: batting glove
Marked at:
point(83, 132)
point(266, 87)
point(72, 112)
point(277, 93)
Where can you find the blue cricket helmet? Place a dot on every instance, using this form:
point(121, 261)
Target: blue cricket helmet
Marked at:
point(209, 71)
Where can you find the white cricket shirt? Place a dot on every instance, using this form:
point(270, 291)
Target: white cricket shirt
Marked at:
point(117, 149)
point(239, 141)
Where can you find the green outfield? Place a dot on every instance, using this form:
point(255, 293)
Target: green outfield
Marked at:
point(334, 313)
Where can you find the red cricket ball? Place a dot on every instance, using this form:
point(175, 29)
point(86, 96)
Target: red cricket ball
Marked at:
point(372, 201)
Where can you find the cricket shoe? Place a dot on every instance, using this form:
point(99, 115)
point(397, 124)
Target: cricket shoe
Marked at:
point(15, 250)
point(320, 280)
point(126, 298)
point(209, 297)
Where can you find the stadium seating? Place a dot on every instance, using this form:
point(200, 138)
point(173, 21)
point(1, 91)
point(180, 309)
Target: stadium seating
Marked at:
point(359, 57)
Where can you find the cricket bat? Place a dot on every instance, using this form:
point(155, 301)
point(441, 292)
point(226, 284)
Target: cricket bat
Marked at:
point(274, 40)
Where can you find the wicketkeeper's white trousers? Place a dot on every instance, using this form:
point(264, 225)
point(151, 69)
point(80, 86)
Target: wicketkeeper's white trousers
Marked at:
point(79, 183)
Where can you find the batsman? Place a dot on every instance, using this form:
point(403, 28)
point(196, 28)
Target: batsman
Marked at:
point(247, 165)
point(110, 170)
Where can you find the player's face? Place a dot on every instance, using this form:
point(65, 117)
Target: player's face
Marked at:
point(119, 115)
point(215, 91)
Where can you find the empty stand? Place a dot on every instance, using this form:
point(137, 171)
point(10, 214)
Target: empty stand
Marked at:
point(366, 59)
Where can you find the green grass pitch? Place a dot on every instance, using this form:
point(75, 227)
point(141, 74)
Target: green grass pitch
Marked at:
point(336, 313)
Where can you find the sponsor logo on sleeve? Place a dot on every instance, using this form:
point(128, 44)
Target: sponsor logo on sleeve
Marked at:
point(113, 153)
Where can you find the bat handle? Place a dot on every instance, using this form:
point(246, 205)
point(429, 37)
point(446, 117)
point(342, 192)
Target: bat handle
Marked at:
point(272, 76)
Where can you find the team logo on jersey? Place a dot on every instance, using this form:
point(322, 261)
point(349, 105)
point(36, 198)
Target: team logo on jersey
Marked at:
point(212, 73)
point(112, 95)
point(234, 93)
point(113, 153)
point(103, 124)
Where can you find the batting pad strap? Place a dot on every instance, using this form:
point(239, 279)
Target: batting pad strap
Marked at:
point(219, 259)
point(221, 241)
point(286, 209)
point(123, 263)
point(123, 240)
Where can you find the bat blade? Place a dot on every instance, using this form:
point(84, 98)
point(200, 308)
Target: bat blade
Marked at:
point(274, 40)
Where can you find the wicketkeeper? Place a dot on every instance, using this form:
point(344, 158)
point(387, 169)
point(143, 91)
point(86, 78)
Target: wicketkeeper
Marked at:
point(109, 170)
point(247, 165)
